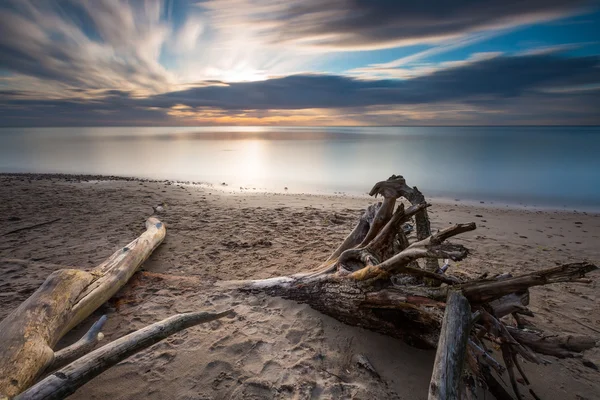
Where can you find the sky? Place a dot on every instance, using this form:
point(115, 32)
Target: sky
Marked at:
point(299, 62)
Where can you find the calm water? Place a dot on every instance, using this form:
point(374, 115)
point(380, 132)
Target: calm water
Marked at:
point(556, 166)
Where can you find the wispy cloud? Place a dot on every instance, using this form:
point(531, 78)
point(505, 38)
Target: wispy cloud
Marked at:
point(411, 66)
point(368, 25)
point(88, 44)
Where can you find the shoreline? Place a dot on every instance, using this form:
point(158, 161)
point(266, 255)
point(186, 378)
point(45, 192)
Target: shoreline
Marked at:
point(273, 348)
point(225, 188)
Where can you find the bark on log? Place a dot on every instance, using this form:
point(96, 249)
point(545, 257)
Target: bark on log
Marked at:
point(65, 382)
point(28, 335)
point(451, 350)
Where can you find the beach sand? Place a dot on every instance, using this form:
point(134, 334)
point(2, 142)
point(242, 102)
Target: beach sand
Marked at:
point(271, 348)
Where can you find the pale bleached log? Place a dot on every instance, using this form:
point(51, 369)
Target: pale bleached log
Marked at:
point(29, 334)
point(66, 381)
point(79, 348)
point(451, 349)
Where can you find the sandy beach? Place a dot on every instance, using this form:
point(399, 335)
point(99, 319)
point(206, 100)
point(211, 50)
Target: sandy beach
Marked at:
point(271, 348)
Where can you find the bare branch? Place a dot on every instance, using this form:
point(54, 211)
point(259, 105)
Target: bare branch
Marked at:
point(487, 290)
point(79, 348)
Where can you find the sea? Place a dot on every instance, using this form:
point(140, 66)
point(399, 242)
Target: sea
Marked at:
point(547, 167)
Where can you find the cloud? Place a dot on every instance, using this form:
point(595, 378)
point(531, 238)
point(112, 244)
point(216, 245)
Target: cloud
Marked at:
point(149, 46)
point(156, 46)
point(372, 24)
point(85, 44)
point(495, 77)
point(501, 88)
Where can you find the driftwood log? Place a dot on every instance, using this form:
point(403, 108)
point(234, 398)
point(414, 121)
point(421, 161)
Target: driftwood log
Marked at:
point(373, 280)
point(29, 334)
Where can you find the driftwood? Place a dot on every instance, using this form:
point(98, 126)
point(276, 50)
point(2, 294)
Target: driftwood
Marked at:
point(66, 381)
point(378, 278)
point(373, 280)
point(79, 348)
point(29, 334)
point(452, 347)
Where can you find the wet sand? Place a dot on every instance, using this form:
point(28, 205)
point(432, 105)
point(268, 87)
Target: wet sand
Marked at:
point(272, 348)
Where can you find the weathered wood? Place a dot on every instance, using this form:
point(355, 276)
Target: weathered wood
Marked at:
point(358, 233)
point(431, 247)
point(384, 214)
point(28, 335)
point(381, 246)
point(65, 382)
point(484, 291)
point(561, 346)
point(79, 348)
point(511, 303)
point(451, 349)
point(113, 273)
point(396, 186)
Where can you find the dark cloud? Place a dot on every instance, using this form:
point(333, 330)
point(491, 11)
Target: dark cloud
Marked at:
point(383, 23)
point(495, 84)
point(495, 78)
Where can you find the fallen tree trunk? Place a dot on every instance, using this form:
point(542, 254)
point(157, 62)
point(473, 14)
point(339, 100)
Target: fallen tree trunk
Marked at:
point(29, 334)
point(373, 280)
point(65, 382)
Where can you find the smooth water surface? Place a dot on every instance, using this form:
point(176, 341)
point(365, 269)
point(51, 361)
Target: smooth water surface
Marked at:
point(545, 166)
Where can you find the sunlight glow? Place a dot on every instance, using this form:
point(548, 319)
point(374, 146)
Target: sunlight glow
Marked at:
point(238, 74)
point(252, 161)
